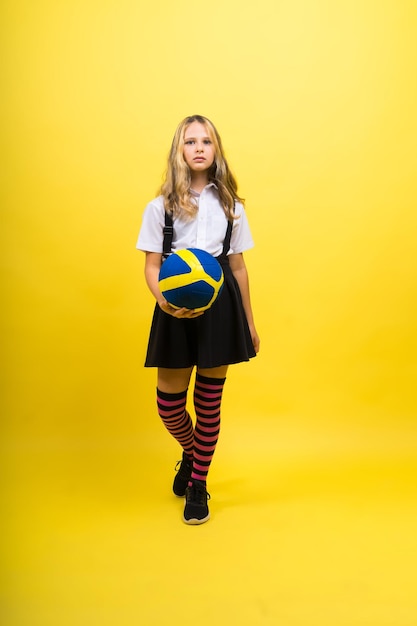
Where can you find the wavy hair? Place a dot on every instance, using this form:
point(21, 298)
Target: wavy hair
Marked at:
point(176, 187)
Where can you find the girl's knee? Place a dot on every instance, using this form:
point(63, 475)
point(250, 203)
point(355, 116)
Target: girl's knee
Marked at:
point(213, 372)
point(174, 380)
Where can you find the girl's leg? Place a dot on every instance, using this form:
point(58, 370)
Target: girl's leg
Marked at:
point(173, 380)
point(207, 402)
point(171, 399)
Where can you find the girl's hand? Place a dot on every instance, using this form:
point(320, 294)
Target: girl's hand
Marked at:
point(255, 339)
point(152, 269)
point(180, 313)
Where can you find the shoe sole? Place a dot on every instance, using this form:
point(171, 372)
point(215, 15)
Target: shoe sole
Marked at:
point(194, 521)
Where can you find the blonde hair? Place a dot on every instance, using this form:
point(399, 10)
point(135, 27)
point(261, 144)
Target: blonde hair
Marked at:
point(176, 187)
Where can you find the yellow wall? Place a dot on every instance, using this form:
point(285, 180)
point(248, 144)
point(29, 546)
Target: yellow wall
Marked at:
point(313, 486)
point(316, 103)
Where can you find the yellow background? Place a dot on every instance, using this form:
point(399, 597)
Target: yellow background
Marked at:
point(313, 484)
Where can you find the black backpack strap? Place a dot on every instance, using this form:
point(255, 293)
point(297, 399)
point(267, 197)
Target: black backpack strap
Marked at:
point(228, 236)
point(168, 235)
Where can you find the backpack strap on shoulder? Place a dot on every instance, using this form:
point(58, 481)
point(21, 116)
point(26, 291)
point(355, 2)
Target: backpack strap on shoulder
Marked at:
point(228, 236)
point(168, 231)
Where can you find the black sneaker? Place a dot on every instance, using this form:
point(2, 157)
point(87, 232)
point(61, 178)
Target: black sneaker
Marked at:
point(196, 509)
point(183, 476)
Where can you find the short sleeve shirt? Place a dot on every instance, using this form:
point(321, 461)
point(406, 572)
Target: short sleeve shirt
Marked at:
point(205, 231)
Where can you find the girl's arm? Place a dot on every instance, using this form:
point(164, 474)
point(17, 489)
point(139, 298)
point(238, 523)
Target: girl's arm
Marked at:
point(152, 266)
point(238, 267)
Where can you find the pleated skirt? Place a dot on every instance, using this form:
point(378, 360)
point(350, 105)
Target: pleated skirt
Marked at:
point(218, 337)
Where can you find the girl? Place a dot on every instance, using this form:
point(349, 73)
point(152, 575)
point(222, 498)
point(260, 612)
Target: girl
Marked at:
point(199, 200)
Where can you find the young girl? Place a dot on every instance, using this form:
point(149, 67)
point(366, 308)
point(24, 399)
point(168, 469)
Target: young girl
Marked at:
point(199, 199)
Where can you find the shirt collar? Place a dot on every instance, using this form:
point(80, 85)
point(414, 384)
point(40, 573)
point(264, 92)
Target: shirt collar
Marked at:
point(197, 195)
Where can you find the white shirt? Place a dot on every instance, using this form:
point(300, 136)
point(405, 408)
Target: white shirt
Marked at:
point(206, 231)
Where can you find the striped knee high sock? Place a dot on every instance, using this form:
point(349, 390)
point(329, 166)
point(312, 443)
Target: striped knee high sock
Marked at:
point(207, 401)
point(171, 409)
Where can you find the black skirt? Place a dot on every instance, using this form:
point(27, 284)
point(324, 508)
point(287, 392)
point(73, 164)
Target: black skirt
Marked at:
point(218, 337)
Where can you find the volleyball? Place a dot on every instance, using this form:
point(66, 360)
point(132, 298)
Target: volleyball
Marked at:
point(191, 278)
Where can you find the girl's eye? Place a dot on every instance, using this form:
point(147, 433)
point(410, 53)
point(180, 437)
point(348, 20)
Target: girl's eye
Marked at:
point(207, 141)
point(189, 142)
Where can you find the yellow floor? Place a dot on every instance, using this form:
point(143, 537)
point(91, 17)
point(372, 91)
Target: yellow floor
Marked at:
point(310, 526)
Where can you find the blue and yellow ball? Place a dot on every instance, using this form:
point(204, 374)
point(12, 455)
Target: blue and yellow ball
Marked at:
point(191, 278)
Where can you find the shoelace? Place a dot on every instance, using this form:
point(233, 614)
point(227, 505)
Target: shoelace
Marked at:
point(198, 493)
point(183, 469)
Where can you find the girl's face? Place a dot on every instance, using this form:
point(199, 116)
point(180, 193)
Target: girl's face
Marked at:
point(198, 149)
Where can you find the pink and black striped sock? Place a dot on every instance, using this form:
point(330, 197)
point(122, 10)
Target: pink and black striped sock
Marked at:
point(207, 402)
point(171, 409)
